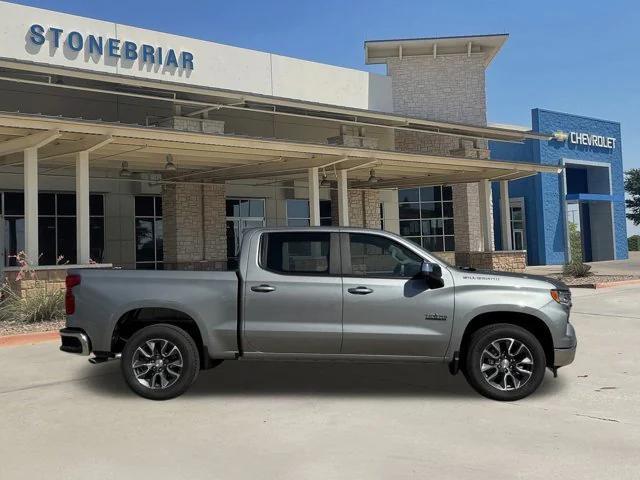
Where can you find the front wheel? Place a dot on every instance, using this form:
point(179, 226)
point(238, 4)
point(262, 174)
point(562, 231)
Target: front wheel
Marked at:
point(160, 362)
point(504, 362)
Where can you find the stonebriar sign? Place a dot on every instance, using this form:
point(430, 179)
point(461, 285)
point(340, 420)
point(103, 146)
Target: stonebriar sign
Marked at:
point(115, 48)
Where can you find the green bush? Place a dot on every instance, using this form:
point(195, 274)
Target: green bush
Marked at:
point(576, 269)
point(40, 305)
point(634, 243)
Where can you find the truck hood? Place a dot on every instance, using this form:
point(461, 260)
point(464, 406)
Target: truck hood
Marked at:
point(510, 277)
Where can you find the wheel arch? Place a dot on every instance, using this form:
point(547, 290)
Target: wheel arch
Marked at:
point(137, 318)
point(529, 322)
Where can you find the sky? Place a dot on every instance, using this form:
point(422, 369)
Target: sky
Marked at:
point(579, 57)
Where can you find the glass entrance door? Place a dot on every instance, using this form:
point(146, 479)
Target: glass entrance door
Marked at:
point(242, 215)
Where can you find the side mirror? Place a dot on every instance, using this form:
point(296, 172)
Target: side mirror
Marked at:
point(431, 270)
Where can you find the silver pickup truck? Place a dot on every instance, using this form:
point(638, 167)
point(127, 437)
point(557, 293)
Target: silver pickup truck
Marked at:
point(322, 294)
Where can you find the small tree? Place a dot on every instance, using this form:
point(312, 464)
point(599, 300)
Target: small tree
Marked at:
point(575, 243)
point(632, 186)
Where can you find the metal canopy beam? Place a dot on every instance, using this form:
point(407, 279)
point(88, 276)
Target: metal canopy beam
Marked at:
point(35, 140)
point(70, 148)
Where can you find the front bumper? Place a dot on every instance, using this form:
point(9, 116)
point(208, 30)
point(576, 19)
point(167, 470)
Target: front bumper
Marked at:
point(75, 340)
point(565, 356)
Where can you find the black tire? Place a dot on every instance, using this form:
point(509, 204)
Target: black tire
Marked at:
point(507, 374)
point(178, 379)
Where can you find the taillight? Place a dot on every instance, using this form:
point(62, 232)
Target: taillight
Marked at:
point(69, 300)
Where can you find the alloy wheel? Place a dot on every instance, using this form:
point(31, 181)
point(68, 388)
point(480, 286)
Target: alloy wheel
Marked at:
point(157, 364)
point(506, 364)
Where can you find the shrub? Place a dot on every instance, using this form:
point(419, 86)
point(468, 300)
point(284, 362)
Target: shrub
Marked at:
point(634, 243)
point(39, 305)
point(576, 269)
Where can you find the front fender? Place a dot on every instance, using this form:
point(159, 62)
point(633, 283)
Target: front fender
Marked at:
point(461, 323)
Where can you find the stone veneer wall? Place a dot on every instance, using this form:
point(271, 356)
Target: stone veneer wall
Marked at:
point(505, 261)
point(194, 224)
point(448, 88)
point(50, 279)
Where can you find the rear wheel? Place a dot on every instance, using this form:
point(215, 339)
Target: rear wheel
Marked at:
point(504, 362)
point(160, 362)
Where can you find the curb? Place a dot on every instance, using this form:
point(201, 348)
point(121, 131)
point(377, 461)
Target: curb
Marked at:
point(607, 284)
point(28, 338)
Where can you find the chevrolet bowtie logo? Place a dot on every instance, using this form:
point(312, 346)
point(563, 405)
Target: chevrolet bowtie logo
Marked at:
point(560, 136)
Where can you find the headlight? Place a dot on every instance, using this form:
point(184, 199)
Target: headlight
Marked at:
point(563, 297)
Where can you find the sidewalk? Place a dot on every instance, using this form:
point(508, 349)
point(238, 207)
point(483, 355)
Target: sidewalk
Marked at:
point(611, 267)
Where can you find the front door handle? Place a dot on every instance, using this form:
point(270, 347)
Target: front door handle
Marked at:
point(263, 288)
point(360, 290)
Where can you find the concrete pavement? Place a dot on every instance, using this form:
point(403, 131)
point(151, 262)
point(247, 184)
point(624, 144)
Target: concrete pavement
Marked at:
point(63, 418)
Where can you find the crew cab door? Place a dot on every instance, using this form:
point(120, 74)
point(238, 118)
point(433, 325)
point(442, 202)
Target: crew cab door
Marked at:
point(389, 308)
point(293, 294)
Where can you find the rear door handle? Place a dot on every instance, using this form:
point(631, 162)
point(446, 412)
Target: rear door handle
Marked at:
point(263, 288)
point(360, 290)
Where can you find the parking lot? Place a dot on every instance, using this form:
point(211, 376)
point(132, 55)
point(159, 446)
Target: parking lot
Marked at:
point(63, 418)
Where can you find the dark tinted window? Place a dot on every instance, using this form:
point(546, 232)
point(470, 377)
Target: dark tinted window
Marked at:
point(13, 203)
point(46, 204)
point(144, 206)
point(376, 256)
point(66, 204)
point(96, 205)
point(296, 252)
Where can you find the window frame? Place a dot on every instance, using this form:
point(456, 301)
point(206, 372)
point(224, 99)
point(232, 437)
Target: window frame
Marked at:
point(345, 249)
point(308, 219)
point(154, 218)
point(55, 216)
point(418, 201)
point(335, 254)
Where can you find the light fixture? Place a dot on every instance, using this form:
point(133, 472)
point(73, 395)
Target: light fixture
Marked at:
point(325, 181)
point(170, 166)
point(372, 177)
point(124, 171)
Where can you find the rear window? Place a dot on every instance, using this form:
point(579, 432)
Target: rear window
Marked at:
point(296, 253)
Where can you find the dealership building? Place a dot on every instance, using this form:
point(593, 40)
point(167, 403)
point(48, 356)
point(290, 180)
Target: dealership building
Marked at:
point(147, 150)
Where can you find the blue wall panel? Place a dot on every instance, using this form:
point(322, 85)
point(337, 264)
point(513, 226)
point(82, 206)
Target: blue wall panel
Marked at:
point(545, 223)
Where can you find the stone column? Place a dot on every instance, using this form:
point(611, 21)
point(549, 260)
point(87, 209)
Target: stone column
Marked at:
point(215, 227)
point(364, 208)
point(182, 221)
point(194, 224)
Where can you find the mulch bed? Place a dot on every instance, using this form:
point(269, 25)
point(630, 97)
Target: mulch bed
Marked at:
point(591, 281)
point(16, 328)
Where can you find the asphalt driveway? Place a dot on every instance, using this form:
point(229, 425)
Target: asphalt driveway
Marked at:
point(63, 418)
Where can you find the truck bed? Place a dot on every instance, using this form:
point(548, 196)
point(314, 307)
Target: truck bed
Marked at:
point(108, 297)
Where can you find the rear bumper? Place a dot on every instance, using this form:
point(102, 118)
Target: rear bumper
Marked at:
point(75, 340)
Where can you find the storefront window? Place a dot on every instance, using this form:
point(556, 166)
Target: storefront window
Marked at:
point(149, 234)
point(299, 215)
point(426, 217)
point(56, 227)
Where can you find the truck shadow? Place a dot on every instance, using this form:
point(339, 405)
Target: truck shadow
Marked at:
point(315, 379)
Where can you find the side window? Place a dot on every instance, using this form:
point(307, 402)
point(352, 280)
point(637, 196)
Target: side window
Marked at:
point(376, 256)
point(296, 252)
